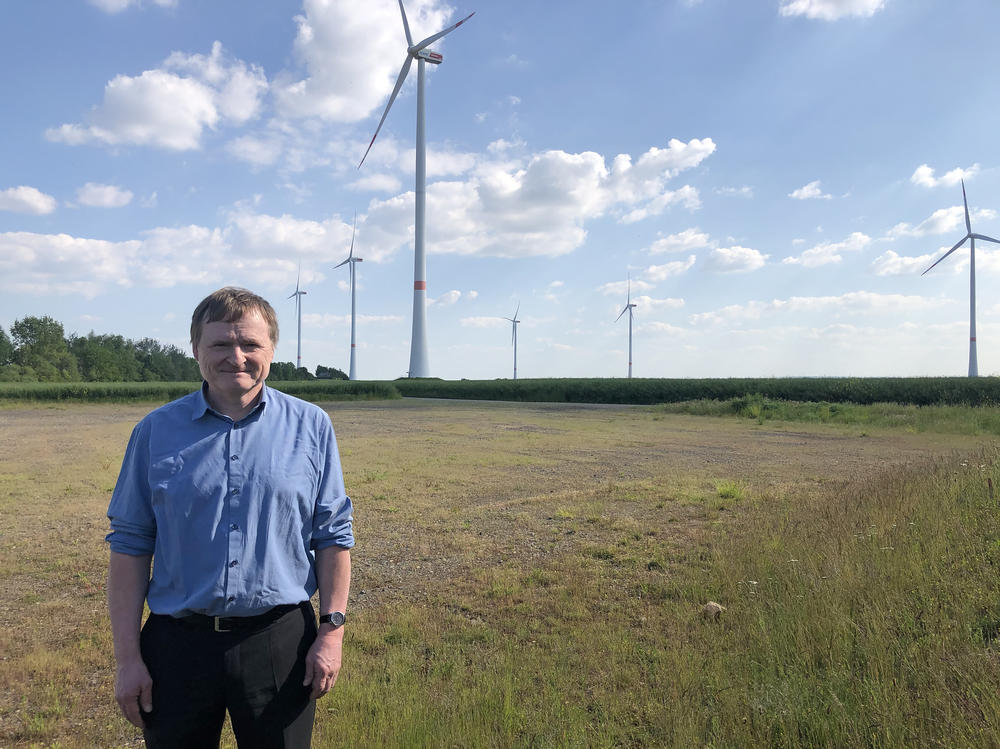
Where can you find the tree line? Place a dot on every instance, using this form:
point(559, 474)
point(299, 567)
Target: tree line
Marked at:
point(38, 350)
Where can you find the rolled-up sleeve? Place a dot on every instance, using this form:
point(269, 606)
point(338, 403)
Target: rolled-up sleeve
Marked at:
point(333, 518)
point(133, 524)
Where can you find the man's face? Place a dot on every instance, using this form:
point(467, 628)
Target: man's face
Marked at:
point(235, 357)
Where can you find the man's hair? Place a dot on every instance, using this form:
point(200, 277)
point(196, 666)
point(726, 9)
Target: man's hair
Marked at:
point(232, 304)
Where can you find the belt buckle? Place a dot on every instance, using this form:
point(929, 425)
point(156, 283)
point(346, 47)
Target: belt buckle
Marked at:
point(215, 622)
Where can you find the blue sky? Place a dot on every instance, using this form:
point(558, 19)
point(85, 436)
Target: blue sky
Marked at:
point(774, 175)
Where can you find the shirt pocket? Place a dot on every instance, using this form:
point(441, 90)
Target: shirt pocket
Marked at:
point(164, 475)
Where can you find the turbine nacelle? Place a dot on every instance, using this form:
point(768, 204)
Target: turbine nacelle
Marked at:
point(435, 58)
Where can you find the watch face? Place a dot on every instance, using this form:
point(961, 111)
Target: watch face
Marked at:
point(337, 618)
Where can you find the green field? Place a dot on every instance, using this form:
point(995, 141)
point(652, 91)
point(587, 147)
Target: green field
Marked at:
point(916, 391)
point(534, 575)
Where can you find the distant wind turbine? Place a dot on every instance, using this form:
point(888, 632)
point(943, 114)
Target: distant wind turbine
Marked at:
point(514, 322)
point(419, 364)
point(352, 260)
point(298, 312)
point(973, 360)
point(629, 306)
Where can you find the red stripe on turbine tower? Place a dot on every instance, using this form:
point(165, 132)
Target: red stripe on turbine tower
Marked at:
point(419, 285)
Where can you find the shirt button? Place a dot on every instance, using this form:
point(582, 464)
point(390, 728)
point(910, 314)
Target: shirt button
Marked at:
point(234, 527)
point(235, 491)
point(235, 457)
point(233, 563)
point(231, 599)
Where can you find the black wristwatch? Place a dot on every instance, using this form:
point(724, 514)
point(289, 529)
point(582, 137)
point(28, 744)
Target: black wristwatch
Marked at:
point(336, 618)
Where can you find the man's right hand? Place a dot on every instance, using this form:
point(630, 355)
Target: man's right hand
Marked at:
point(134, 689)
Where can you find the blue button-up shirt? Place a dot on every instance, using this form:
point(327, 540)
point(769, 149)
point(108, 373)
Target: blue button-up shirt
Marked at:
point(231, 511)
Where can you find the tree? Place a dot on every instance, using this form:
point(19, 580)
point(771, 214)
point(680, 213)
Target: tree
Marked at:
point(6, 349)
point(40, 345)
point(105, 358)
point(284, 371)
point(329, 373)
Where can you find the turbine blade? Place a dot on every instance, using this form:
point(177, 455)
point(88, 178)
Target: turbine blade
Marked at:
point(985, 238)
point(620, 314)
point(516, 309)
point(355, 229)
point(406, 26)
point(961, 242)
point(399, 84)
point(343, 263)
point(968, 224)
point(431, 39)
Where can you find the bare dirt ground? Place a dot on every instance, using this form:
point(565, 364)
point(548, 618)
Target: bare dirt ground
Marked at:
point(442, 491)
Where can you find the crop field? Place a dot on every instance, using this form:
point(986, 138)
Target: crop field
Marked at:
point(535, 574)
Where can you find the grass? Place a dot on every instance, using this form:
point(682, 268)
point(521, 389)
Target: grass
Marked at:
point(552, 598)
point(971, 420)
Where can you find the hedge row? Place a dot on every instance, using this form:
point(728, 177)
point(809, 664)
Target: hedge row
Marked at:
point(921, 391)
point(312, 390)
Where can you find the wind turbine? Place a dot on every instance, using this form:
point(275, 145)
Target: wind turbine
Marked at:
point(352, 260)
point(419, 365)
point(514, 322)
point(629, 306)
point(298, 312)
point(973, 360)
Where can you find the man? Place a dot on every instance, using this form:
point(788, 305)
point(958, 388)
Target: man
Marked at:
point(237, 494)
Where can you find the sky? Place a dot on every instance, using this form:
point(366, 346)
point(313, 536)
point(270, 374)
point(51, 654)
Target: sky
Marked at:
point(767, 179)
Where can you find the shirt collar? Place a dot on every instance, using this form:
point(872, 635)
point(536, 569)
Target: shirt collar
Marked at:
point(200, 406)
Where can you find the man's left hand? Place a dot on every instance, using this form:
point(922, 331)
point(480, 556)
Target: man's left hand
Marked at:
point(323, 660)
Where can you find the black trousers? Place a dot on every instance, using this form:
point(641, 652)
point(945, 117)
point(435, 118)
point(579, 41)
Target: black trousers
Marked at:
point(198, 674)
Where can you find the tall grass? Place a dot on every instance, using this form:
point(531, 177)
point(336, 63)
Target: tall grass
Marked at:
point(950, 419)
point(865, 618)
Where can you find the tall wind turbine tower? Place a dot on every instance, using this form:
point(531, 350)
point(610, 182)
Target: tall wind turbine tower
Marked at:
point(973, 359)
point(352, 260)
point(514, 322)
point(419, 365)
point(629, 306)
point(298, 293)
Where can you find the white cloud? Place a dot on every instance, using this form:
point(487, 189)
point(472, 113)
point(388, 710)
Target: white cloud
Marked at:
point(649, 303)
point(262, 235)
point(117, 6)
point(377, 183)
point(686, 241)
point(621, 288)
point(809, 192)
point(482, 322)
point(446, 299)
point(103, 196)
point(829, 252)
point(744, 191)
point(668, 270)
point(831, 10)
point(352, 59)
point(735, 259)
point(924, 176)
point(163, 109)
point(855, 302)
point(259, 151)
point(942, 221)
point(536, 205)
point(891, 264)
point(24, 199)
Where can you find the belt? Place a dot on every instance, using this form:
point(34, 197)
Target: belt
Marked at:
point(232, 623)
